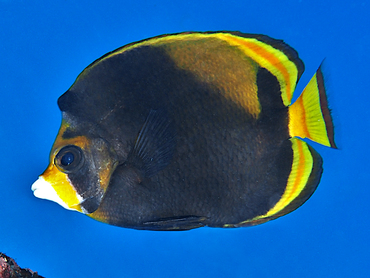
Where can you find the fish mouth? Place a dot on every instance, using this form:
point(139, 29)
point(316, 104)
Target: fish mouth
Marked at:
point(43, 190)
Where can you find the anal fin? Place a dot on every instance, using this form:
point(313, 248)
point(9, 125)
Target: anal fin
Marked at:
point(180, 223)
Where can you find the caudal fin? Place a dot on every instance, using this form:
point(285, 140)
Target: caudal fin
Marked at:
point(309, 116)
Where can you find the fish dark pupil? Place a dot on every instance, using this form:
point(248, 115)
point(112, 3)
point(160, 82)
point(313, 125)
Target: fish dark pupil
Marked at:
point(67, 159)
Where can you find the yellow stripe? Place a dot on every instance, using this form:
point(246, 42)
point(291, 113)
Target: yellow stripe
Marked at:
point(305, 116)
point(299, 175)
point(62, 186)
point(100, 215)
point(59, 180)
point(297, 120)
point(80, 141)
point(274, 60)
point(222, 67)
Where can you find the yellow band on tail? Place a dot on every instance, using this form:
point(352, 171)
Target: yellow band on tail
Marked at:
point(309, 116)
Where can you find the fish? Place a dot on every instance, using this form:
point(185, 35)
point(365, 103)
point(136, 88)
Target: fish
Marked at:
point(187, 130)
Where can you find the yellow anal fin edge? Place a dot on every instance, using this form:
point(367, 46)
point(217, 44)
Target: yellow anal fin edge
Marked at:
point(309, 115)
point(302, 182)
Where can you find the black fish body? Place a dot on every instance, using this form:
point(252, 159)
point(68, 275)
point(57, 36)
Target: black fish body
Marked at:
point(188, 130)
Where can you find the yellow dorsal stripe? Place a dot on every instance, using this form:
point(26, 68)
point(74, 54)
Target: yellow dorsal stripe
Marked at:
point(299, 175)
point(265, 55)
point(305, 115)
point(272, 59)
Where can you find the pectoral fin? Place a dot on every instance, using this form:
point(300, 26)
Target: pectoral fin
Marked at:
point(154, 145)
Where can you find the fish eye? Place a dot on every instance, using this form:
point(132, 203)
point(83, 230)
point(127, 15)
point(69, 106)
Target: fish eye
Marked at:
point(69, 159)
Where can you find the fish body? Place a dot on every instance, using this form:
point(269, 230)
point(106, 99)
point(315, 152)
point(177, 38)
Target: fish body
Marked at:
point(188, 130)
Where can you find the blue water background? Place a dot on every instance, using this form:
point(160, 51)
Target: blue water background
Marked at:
point(44, 45)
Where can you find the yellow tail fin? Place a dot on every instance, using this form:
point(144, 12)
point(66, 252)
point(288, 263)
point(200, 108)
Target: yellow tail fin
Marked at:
point(309, 116)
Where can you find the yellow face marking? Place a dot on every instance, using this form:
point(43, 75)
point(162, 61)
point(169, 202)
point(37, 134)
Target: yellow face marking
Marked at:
point(62, 186)
point(299, 175)
point(65, 193)
point(105, 170)
point(80, 141)
point(58, 180)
